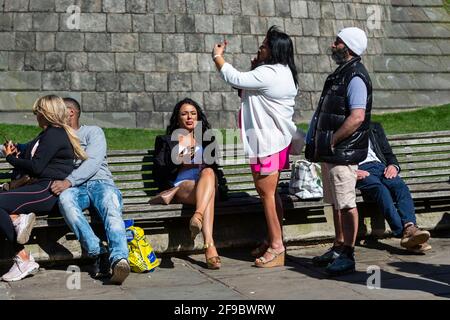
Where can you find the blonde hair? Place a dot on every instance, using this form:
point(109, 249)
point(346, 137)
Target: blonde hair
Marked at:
point(53, 109)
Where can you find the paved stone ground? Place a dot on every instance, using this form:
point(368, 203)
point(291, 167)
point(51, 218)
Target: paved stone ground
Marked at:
point(403, 276)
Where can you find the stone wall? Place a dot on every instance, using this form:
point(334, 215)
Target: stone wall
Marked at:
point(131, 60)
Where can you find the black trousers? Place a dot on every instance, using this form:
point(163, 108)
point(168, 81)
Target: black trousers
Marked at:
point(36, 198)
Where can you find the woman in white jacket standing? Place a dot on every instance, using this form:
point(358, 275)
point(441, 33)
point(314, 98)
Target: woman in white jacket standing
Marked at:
point(267, 105)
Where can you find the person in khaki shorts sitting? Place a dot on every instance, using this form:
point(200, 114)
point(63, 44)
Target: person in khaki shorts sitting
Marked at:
point(338, 138)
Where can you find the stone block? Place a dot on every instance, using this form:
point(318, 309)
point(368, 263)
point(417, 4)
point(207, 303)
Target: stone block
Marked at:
point(115, 119)
point(231, 101)
point(145, 62)
point(7, 39)
point(250, 44)
point(22, 101)
point(299, 9)
point(311, 27)
point(98, 42)
point(327, 28)
point(131, 82)
point(213, 7)
point(107, 81)
point(77, 61)
point(249, 8)
point(140, 101)
point(180, 82)
point(93, 22)
point(16, 61)
point(42, 5)
point(15, 5)
point(211, 40)
point(204, 23)
point(166, 62)
point(153, 120)
point(119, 23)
point(93, 101)
point(200, 81)
point(205, 63)
point(116, 6)
point(234, 44)
point(159, 6)
point(293, 27)
point(156, 81)
point(25, 41)
point(228, 120)
point(185, 24)
point(116, 101)
point(309, 64)
point(124, 42)
point(22, 22)
point(34, 61)
point(143, 23)
point(242, 62)
point(241, 25)
point(195, 6)
point(307, 45)
point(306, 81)
point(283, 8)
point(101, 62)
point(217, 83)
point(276, 21)
point(55, 80)
point(327, 9)
point(54, 61)
point(194, 42)
point(213, 101)
point(4, 60)
point(164, 23)
point(266, 8)
point(177, 6)
point(45, 22)
point(125, 62)
point(45, 41)
point(165, 101)
point(340, 11)
point(404, 46)
point(223, 24)
point(69, 41)
point(91, 6)
point(173, 43)
point(151, 42)
point(187, 62)
point(136, 6)
point(83, 81)
point(258, 25)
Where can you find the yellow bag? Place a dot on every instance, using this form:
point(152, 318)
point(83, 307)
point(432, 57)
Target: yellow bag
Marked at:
point(141, 255)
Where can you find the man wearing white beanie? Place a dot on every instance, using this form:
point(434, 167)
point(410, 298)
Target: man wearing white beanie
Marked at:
point(338, 138)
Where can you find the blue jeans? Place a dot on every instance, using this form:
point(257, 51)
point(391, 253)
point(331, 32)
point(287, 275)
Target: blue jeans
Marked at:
point(388, 193)
point(107, 201)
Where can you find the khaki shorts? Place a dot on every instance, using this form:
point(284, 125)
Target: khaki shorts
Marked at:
point(339, 183)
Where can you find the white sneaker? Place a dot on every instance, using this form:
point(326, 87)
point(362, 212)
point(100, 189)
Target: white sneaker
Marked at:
point(23, 226)
point(21, 269)
point(120, 271)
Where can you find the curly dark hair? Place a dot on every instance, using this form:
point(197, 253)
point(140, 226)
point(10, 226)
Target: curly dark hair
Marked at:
point(173, 124)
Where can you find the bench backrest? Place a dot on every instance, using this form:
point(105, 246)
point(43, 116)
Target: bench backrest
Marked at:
point(424, 158)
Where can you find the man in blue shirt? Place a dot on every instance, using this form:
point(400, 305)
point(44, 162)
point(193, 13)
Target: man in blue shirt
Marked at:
point(91, 185)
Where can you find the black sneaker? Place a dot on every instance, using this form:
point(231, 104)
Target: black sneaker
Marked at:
point(327, 258)
point(120, 271)
point(343, 264)
point(101, 266)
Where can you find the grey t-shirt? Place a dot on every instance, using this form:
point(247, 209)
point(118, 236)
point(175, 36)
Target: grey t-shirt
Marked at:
point(93, 141)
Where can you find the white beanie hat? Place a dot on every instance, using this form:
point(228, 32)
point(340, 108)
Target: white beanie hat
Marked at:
point(355, 39)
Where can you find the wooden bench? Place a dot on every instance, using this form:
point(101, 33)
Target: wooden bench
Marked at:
point(424, 158)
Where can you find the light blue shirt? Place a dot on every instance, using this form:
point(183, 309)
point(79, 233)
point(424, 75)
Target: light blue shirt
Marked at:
point(93, 141)
point(357, 94)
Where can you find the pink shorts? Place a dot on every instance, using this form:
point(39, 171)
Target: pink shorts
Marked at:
point(275, 162)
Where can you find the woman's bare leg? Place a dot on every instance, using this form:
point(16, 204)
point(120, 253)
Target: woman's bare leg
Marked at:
point(266, 185)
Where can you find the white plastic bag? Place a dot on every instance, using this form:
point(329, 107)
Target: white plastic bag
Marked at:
point(305, 180)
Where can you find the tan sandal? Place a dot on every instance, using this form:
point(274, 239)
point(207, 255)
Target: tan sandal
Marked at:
point(213, 263)
point(276, 261)
point(195, 224)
